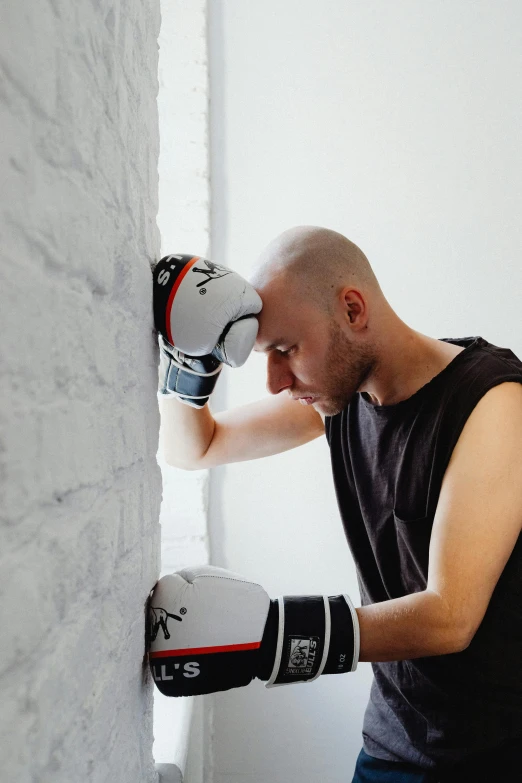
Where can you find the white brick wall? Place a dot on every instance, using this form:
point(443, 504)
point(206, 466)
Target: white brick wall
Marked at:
point(79, 485)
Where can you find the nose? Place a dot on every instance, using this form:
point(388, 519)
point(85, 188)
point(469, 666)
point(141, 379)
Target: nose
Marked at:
point(278, 374)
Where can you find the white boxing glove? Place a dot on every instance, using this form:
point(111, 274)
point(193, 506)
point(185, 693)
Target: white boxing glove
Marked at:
point(205, 315)
point(210, 630)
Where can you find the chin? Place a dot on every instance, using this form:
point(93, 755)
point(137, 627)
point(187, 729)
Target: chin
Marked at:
point(331, 407)
point(327, 407)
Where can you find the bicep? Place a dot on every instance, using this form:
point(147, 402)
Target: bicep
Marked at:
point(261, 429)
point(479, 512)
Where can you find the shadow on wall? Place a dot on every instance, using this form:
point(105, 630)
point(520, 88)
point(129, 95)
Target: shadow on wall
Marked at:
point(145, 670)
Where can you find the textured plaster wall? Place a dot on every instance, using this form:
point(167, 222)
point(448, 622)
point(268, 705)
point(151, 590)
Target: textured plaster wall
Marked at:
point(79, 485)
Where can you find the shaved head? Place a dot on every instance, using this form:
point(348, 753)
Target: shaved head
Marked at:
point(318, 261)
point(319, 296)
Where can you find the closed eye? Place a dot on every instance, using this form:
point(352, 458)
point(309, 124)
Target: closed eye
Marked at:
point(288, 351)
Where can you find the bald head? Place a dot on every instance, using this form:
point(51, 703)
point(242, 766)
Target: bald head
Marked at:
point(317, 260)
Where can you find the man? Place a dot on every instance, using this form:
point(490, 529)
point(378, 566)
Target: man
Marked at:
point(426, 446)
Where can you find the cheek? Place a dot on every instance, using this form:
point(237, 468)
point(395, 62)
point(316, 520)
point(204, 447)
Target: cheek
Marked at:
point(311, 370)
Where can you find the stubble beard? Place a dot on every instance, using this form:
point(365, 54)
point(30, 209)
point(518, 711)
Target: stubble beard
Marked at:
point(347, 367)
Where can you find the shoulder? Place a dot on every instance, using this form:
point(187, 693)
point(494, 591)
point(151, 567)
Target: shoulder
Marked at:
point(503, 401)
point(495, 419)
point(480, 375)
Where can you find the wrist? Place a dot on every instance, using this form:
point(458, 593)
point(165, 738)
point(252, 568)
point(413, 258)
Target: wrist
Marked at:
point(306, 636)
point(189, 378)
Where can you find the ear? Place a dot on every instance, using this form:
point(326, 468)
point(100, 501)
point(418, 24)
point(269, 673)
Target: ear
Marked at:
point(355, 309)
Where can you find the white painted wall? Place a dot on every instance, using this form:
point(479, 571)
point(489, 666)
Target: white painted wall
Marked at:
point(184, 224)
point(80, 488)
point(397, 124)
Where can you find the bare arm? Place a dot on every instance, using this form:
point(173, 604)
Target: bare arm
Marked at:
point(477, 523)
point(195, 439)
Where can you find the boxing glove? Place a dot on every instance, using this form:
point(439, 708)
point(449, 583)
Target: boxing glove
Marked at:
point(210, 629)
point(205, 315)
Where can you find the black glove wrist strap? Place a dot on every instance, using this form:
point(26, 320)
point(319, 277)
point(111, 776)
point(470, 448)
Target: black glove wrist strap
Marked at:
point(306, 636)
point(189, 378)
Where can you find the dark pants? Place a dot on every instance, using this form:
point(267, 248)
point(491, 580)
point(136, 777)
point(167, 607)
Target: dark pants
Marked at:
point(501, 765)
point(371, 770)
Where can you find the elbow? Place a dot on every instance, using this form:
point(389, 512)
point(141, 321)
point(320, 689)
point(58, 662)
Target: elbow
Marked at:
point(447, 644)
point(466, 637)
point(454, 628)
point(461, 643)
point(182, 459)
point(175, 458)
point(465, 630)
point(459, 640)
point(175, 461)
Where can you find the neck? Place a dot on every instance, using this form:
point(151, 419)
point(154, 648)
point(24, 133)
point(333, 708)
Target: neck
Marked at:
point(406, 360)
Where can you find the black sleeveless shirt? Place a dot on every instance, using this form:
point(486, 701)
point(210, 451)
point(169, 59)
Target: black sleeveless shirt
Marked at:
point(388, 464)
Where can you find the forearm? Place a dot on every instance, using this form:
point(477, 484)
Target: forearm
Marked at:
point(185, 432)
point(413, 626)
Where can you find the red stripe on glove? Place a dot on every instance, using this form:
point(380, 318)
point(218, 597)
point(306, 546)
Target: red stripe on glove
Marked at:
point(204, 650)
point(175, 287)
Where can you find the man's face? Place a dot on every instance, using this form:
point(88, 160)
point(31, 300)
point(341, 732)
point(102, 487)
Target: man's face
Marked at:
point(309, 354)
